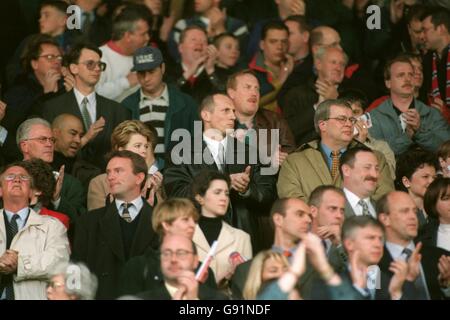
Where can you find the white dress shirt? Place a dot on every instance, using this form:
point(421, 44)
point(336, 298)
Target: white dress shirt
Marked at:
point(133, 207)
point(353, 199)
point(91, 106)
point(443, 237)
point(213, 146)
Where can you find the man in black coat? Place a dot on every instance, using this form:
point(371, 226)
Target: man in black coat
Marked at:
point(106, 238)
point(252, 186)
point(179, 260)
point(99, 115)
point(397, 212)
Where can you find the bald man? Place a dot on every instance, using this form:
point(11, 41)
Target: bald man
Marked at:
point(68, 132)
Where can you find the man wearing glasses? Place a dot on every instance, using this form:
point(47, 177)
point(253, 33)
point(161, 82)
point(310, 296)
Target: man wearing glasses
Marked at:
point(31, 245)
point(317, 162)
point(99, 115)
point(42, 80)
point(179, 260)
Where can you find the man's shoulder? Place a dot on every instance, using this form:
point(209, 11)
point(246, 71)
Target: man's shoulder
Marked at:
point(55, 101)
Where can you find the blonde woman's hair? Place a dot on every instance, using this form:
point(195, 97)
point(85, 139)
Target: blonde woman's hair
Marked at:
point(170, 210)
point(123, 132)
point(254, 278)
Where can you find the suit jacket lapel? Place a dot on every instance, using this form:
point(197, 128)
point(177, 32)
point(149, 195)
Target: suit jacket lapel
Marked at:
point(348, 209)
point(200, 240)
point(110, 229)
point(144, 236)
point(226, 238)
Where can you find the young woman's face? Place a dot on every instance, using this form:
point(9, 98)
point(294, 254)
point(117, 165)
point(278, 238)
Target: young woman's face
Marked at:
point(228, 52)
point(138, 144)
point(443, 207)
point(216, 199)
point(421, 179)
point(272, 269)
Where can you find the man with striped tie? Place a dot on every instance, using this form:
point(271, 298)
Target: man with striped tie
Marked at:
point(106, 238)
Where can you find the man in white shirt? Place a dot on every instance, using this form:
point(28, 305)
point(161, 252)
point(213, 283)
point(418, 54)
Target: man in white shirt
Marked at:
point(130, 32)
point(427, 265)
point(360, 172)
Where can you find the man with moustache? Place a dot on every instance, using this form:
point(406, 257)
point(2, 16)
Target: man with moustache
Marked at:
point(317, 162)
point(360, 173)
point(99, 115)
point(403, 120)
point(428, 266)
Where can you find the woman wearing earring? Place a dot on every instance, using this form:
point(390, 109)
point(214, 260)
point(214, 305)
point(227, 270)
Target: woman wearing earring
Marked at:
point(437, 204)
point(211, 192)
point(416, 170)
point(135, 136)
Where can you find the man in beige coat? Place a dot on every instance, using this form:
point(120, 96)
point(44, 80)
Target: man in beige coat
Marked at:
point(31, 245)
point(312, 164)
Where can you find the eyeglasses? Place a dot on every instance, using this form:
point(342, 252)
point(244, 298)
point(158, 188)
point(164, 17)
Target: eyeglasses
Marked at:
point(343, 119)
point(12, 177)
point(43, 140)
point(180, 254)
point(51, 57)
point(91, 64)
point(54, 284)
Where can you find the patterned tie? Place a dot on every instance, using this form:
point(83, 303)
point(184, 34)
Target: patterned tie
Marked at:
point(85, 113)
point(221, 157)
point(418, 283)
point(365, 208)
point(334, 163)
point(125, 213)
point(12, 231)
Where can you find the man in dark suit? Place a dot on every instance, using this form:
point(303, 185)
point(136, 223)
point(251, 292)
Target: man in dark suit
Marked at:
point(397, 212)
point(179, 260)
point(252, 186)
point(360, 173)
point(99, 115)
point(106, 238)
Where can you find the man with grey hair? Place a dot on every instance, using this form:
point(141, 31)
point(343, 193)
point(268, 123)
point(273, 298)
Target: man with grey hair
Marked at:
point(130, 32)
point(31, 244)
point(301, 101)
point(317, 162)
point(35, 140)
point(72, 281)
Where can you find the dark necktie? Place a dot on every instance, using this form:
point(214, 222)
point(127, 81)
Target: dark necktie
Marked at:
point(85, 113)
point(125, 213)
point(418, 283)
point(12, 231)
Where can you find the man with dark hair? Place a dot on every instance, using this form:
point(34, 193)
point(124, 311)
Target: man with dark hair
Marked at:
point(397, 212)
point(32, 244)
point(360, 173)
point(252, 183)
point(130, 32)
point(95, 27)
point(436, 26)
point(41, 81)
point(299, 33)
point(272, 64)
point(106, 238)
point(157, 103)
point(99, 115)
point(317, 162)
point(403, 120)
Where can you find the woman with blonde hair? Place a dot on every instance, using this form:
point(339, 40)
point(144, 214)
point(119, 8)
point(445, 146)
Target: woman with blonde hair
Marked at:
point(266, 265)
point(140, 138)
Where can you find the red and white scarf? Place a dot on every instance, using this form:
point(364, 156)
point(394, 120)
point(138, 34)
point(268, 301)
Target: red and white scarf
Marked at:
point(435, 93)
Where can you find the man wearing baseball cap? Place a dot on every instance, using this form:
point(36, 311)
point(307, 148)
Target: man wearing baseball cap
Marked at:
point(158, 104)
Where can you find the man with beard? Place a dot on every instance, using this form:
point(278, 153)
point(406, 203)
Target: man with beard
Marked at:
point(403, 120)
point(99, 115)
point(360, 172)
point(317, 162)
